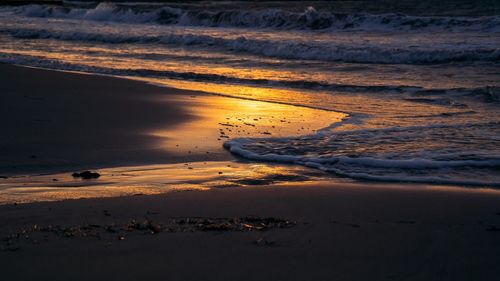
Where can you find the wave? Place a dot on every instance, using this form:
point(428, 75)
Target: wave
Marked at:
point(280, 49)
point(367, 168)
point(432, 154)
point(488, 94)
point(310, 19)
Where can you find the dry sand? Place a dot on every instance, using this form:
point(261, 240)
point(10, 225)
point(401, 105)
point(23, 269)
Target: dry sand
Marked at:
point(342, 232)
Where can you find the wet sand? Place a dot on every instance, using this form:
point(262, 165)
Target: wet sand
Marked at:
point(59, 121)
point(141, 138)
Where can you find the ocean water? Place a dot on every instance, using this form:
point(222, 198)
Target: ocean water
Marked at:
point(422, 93)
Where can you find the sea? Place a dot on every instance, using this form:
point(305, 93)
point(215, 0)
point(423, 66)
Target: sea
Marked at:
point(421, 92)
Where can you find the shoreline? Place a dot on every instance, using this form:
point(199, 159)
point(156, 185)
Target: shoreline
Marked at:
point(169, 159)
point(59, 122)
point(252, 221)
point(104, 110)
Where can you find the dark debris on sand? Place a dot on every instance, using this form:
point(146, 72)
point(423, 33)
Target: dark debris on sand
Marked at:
point(35, 233)
point(86, 175)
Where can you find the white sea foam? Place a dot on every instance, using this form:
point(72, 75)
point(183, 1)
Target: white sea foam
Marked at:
point(380, 156)
point(281, 49)
point(309, 19)
point(483, 94)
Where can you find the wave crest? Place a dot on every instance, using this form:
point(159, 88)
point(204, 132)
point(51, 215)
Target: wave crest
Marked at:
point(433, 154)
point(281, 49)
point(309, 19)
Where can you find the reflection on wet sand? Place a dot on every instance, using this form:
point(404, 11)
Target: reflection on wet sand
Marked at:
point(193, 148)
point(220, 118)
point(152, 179)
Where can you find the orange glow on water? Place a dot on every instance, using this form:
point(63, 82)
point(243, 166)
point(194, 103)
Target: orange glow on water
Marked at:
point(221, 118)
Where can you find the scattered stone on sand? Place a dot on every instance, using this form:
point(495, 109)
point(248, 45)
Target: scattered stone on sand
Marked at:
point(86, 175)
point(209, 225)
point(147, 225)
point(150, 227)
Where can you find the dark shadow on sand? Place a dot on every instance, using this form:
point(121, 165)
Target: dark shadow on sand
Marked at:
point(60, 121)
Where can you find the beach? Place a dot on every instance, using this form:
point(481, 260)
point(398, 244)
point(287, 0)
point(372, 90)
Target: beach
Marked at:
point(249, 140)
point(142, 138)
point(60, 121)
point(302, 230)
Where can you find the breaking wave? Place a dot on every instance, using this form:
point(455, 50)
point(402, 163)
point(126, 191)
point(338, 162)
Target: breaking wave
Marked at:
point(431, 154)
point(456, 140)
point(488, 94)
point(310, 19)
point(281, 49)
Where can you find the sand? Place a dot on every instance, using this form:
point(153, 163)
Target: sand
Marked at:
point(321, 229)
point(60, 121)
point(141, 138)
point(342, 232)
point(55, 120)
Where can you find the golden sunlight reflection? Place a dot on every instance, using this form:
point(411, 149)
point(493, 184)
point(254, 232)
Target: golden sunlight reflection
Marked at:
point(383, 111)
point(149, 180)
point(223, 118)
point(201, 176)
point(216, 119)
